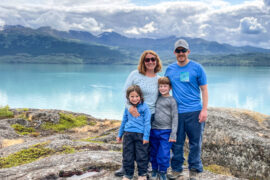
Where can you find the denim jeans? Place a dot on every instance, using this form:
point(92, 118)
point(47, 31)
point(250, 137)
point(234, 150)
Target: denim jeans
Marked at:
point(188, 124)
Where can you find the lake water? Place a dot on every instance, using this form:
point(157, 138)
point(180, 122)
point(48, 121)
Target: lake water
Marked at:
point(98, 90)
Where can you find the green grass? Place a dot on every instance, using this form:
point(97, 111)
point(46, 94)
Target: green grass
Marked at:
point(67, 121)
point(20, 129)
point(5, 112)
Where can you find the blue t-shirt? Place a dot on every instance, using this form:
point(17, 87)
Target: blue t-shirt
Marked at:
point(140, 124)
point(186, 82)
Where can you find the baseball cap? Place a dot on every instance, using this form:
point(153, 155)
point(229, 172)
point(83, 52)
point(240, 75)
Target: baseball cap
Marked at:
point(181, 43)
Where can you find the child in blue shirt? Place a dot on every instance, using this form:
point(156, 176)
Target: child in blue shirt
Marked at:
point(136, 131)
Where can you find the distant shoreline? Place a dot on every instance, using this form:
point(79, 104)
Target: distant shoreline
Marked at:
point(211, 60)
point(250, 59)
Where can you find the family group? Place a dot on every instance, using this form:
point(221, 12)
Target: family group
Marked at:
point(155, 124)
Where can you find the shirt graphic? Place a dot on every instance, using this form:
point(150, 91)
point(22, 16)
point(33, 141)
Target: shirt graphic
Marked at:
point(184, 76)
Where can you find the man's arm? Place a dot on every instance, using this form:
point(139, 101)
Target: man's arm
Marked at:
point(203, 114)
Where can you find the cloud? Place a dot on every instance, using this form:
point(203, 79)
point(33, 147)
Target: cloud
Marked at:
point(212, 20)
point(250, 25)
point(50, 18)
point(146, 29)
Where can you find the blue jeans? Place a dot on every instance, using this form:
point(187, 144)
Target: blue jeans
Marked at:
point(160, 149)
point(188, 124)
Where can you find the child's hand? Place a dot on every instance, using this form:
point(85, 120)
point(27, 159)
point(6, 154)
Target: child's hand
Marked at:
point(172, 140)
point(134, 111)
point(119, 140)
point(145, 142)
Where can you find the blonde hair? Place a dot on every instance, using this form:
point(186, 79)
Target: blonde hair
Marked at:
point(164, 80)
point(141, 66)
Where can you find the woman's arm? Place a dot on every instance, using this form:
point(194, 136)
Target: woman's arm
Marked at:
point(147, 124)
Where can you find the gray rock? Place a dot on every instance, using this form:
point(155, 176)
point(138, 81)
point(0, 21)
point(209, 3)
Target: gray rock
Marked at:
point(6, 131)
point(51, 166)
point(39, 117)
point(237, 140)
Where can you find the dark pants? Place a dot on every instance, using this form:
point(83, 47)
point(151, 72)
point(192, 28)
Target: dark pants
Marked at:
point(188, 124)
point(135, 150)
point(160, 149)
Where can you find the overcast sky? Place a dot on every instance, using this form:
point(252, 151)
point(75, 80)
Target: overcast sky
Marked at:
point(236, 22)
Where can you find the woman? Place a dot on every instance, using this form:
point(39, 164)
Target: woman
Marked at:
point(146, 77)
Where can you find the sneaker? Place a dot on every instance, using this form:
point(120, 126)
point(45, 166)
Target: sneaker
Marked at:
point(120, 172)
point(193, 174)
point(162, 176)
point(154, 174)
point(174, 175)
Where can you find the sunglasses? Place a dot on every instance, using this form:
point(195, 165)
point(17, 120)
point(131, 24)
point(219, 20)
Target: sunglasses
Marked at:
point(181, 50)
point(149, 59)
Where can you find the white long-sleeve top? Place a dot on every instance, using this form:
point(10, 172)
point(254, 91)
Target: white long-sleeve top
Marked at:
point(148, 85)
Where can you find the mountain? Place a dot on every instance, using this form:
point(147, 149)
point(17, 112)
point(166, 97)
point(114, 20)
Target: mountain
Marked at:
point(110, 47)
point(163, 46)
point(23, 44)
point(197, 45)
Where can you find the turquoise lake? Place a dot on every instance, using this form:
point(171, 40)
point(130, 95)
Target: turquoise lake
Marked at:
point(98, 90)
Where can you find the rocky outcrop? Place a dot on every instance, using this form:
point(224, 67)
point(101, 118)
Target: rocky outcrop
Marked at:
point(235, 140)
point(239, 140)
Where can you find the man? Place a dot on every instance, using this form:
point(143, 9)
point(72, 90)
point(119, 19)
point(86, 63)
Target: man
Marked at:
point(188, 81)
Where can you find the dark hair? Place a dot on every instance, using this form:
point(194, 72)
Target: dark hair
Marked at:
point(135, 88)
point(164, 80)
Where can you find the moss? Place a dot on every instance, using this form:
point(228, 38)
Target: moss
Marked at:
point(92, 123)
point(68, 149)
point(67, 121)
point(31, 154)
point(20, 129)
point(22, 109)
point(25, 156)
point(218, 169)
point(91, 139)
point(39, 145)
point(5, 112)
